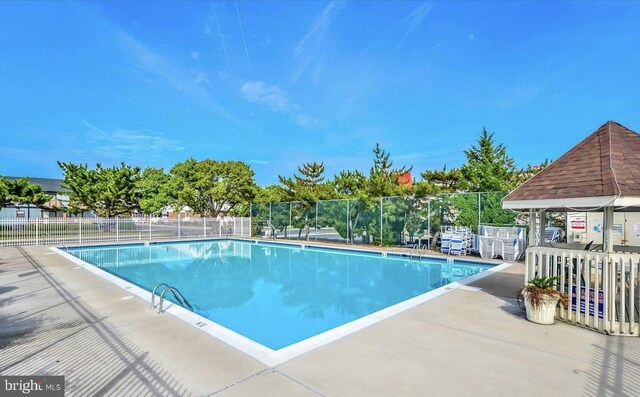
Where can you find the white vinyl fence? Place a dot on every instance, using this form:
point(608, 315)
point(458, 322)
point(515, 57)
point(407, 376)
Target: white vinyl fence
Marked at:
point(603, 289)
point(64, 231)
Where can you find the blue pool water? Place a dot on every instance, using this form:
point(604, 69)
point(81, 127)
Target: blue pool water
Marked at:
point(275, 294)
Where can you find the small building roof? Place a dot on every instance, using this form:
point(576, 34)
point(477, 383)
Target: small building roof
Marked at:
point(603, 169)
point(49, 185)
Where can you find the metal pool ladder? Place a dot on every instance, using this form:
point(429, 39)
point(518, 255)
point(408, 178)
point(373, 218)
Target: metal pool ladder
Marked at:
point(414, 252)
point(182, 301)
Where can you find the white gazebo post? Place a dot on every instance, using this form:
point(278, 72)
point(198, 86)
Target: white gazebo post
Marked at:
point(543, 226)
point(607, 229)
point(532, 227)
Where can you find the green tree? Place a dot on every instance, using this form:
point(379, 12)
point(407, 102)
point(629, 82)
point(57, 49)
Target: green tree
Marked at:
point(5, 184)
point(350, 184)
point(383, 177)
point(109, 192)
point(21, 191)
point(155, 192)
point(350, 218)
point(444, 181)
point(269, 194)
point(261, 206)
point(305, 189)
point(308, 185)
point(489, 168)
point(383, 182)
point(212, 187)
point(525, 174)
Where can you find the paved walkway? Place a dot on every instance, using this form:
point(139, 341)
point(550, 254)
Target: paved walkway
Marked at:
point(59, 319)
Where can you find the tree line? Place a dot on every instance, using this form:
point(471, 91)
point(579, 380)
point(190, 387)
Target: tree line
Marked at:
point(408, 209)
point(488, 168)
point(21, 191)
point(211, 187)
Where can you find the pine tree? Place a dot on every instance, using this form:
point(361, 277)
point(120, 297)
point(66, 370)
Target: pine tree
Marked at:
point(383, 178)
point(489, 168)
point(311, 175)
point(308, 186)
point(446, 181)
point(305, 189)
point(350, 184)
point(108, 191)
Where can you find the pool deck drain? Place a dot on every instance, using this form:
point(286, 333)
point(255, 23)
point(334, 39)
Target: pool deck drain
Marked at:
point(62, 321)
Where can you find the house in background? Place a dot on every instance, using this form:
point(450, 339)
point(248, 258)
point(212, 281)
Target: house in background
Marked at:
point(53, 208)
point(405, 179)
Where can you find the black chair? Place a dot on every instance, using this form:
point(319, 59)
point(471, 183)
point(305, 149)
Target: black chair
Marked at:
point(575, 264)
point(588, 247)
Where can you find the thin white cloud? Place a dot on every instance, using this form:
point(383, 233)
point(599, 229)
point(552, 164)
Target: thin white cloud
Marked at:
point(195, 55)
point(210, 23)
point(123, 143)
point(414, 20)
point(222, 42)
point(179, 78)
point(244, 41)
point(321, 24)
point(268, 95)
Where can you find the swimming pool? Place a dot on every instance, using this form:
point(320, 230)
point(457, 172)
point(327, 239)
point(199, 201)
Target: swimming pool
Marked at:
point(277, 294)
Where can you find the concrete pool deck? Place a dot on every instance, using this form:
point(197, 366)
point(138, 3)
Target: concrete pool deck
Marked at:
point(57, 318)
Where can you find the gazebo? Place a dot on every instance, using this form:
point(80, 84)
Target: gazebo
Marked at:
point(599, 176)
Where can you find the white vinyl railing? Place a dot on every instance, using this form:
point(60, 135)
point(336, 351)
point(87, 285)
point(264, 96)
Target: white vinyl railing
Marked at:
point(603, 289)
point(63, 231)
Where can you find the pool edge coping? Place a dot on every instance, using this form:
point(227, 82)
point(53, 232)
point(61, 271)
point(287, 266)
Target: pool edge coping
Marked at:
point(262, 353)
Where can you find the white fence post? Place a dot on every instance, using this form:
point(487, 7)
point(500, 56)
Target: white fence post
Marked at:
point(242, 227)
point(381, 221)
point(178, 225)
point(117, 230)
point(234, 225)
point(79, 231)
point(204, 226)
point(479, 212)
point(36, 231)
point(349, 231)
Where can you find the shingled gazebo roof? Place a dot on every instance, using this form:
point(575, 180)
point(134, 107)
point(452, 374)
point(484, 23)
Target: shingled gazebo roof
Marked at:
point(603, 169)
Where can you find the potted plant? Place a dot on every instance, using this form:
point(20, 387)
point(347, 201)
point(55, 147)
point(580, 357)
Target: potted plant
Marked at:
point(541, 299)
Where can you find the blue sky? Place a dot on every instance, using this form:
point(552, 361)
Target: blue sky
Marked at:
point(276, 84)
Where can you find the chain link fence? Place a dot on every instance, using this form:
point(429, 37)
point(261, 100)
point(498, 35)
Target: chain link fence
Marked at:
point(381, 221)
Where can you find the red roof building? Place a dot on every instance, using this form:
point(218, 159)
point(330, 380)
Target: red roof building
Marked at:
point(405, 179)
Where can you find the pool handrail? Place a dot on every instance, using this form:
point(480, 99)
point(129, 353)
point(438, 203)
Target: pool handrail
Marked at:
point(153, 293)
point(176, 295)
